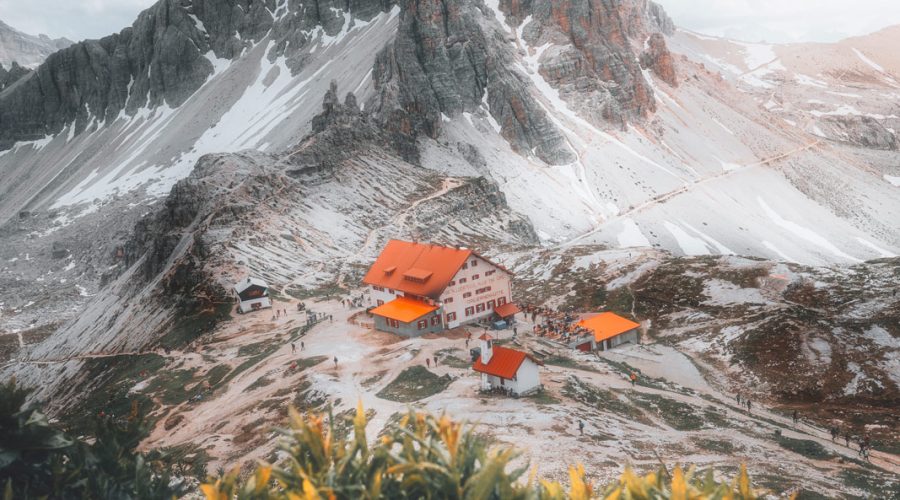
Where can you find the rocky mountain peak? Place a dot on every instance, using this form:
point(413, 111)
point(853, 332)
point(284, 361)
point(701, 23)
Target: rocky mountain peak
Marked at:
point(26, 50)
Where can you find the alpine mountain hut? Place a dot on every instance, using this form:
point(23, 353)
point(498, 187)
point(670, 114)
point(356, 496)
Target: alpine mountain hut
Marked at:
point(252, 294)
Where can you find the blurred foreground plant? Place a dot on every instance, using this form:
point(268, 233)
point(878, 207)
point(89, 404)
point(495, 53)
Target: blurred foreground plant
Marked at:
point(434, 457)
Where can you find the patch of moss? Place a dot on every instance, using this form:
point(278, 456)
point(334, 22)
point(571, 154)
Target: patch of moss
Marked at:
point(807, 448)
point(678, 415)
point(413, 384)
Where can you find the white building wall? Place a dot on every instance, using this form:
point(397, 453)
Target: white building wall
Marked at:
point(385, 295)
point(499, 283)
point(527, 379)
point(247, 305)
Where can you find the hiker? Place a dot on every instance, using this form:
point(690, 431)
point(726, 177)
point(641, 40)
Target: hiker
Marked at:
point(435, 361)
point(749, 405)
point(633, 378)
point(581, 427)
point(847, 439)
point(293, 348)
point(794, 417)
point(293, 366)
point(330, 318)
point(834, 432)
point(515, 332)
point(335, 361)
point(737, 397)
point(428, 362)
point(467, 343)
point(302, 345)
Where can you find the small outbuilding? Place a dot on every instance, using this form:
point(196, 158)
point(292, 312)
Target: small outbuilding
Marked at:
point(252, 294)
point(608, 330)
point(507, 369)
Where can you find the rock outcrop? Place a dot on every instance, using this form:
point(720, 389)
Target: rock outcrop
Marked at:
point(12, 75)
point(163, 58)
point(659, 60)
point(591, 56)
point(445, 61)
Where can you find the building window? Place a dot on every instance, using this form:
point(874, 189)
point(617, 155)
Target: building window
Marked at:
point(448, 300)
point(470, 311)
point(490, 305)
point(501, 301)
point(465, 266)
point(422, 324)
point(378, 288)
point(479, 308)
point(393, 323)
point(502, 381)
point(474, 263)
point(475, 277)
point(483, 290)
point(452, 282)
point(451, 317)
point(435, 320)
point(488, 273)
point(467, 295)
point(390, 291)
point(462, 280)
point(380, 302)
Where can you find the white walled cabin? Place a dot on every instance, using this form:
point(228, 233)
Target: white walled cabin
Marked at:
point(506, 369)
point(252, 294)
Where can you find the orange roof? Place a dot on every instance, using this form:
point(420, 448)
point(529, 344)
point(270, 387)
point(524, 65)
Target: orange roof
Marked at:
point(607, 325)
point(417, 268)
point(504, 362)
point(404, 309)
point(506, 310)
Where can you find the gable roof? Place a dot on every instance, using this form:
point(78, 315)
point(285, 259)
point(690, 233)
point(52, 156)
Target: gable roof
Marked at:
point(607, 325)
point(504, 363)
point(247, 283)
point(417, 268)
point(404, 309)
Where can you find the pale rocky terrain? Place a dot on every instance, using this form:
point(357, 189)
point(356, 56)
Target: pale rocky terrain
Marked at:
point(738, 199)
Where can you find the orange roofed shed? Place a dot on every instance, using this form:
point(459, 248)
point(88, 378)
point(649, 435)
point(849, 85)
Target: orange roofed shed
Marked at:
point(404, 309)
point(607, 325)
point(504, 362)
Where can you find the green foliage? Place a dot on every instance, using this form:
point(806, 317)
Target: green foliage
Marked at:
point(413, 384)
point(38, 460)
point(422, 456)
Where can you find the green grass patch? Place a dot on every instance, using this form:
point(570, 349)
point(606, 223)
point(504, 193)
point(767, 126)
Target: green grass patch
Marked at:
point(191, 326)
point(716, 445)
point(678, 415)
point(807, 448)
point(454, 358)
point(170, 386)
point(413, 384)
point(217, 373)
point(543, 398)
point(259, 383)
point(871, 484)
point(601, 399)
point(567, 362)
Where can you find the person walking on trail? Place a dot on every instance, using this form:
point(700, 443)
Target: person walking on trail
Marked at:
point(302, 346)
point(633, 378)
point(293, 348)
point(435, 361)
point(737, 397)
point(467, 343)
point(847, 439)
point(795, 417)
point(581, 427)
point(749, 405)
point(335, 361)
point(428, 362)
point(834, 433)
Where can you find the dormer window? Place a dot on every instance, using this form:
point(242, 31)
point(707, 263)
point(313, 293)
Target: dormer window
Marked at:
point(417, 275)
point(390, 270)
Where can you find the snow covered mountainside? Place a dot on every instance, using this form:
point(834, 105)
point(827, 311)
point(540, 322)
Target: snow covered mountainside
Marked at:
point(28, 51)
point(589, 146)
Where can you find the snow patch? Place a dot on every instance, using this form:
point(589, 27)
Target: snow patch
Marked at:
point(631, 235)
point(802, 232)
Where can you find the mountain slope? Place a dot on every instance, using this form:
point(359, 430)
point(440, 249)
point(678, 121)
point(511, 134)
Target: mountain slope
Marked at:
point(26, 50)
